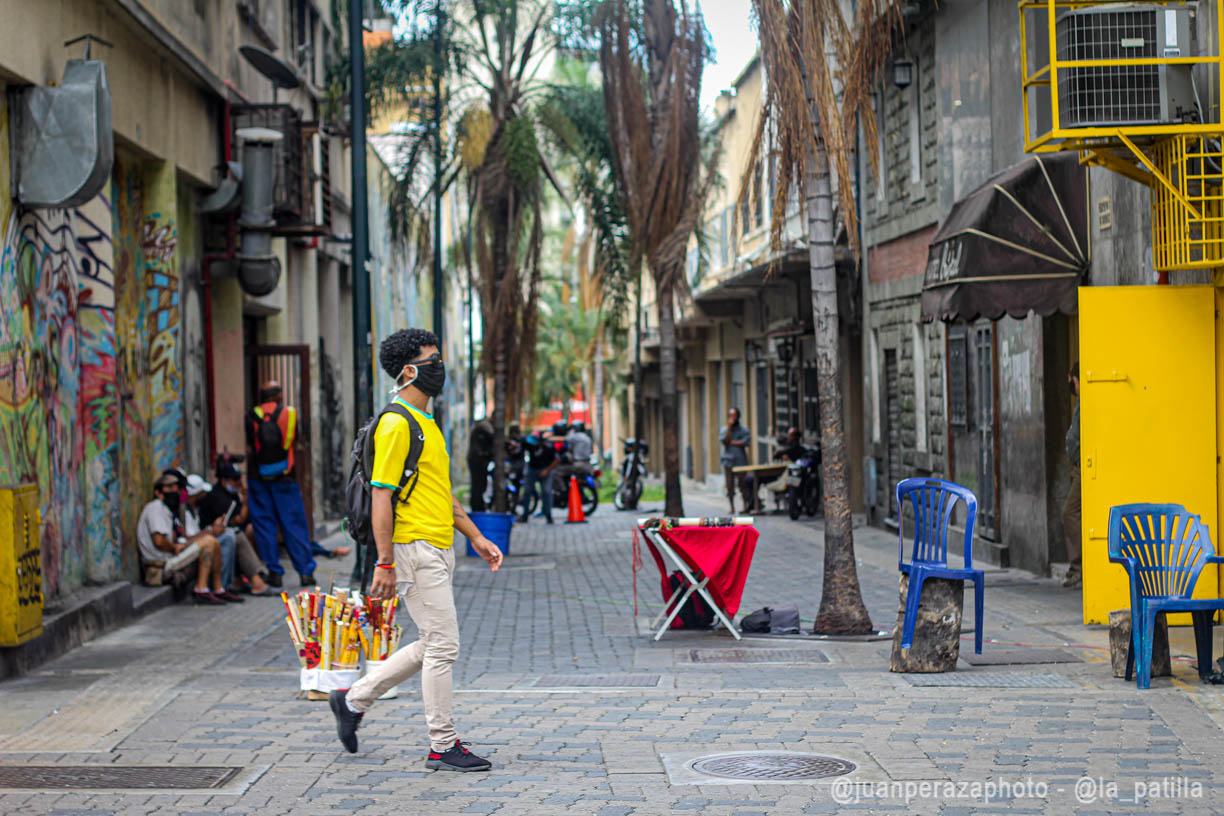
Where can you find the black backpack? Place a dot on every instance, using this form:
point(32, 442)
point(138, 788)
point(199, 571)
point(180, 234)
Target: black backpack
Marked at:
point(269, 441)
point(357, 495)
point(696, 613)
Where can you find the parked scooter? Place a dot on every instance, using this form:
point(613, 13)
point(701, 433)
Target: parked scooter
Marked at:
point(632, 475)
point(804, 492)
point(514, 483)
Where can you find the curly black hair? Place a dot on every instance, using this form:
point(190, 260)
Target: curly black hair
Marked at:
point(401, 348)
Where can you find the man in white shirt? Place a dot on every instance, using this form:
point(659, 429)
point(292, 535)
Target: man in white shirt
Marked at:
point(162, 538)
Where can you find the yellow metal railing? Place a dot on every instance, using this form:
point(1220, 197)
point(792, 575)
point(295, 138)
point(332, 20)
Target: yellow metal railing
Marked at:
point(1038, 26)
point(1183, 163)
point(1188, 203)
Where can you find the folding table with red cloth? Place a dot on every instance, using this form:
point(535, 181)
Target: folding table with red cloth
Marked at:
point(713, 554)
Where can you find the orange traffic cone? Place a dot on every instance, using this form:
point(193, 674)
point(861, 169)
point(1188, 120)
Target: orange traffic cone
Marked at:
point(576, 516)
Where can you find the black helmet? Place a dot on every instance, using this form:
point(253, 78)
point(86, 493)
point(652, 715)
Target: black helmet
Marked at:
point(578, 425)
point(559, 427)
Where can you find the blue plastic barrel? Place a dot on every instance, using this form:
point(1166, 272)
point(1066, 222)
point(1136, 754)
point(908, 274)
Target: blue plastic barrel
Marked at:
point(496, 527)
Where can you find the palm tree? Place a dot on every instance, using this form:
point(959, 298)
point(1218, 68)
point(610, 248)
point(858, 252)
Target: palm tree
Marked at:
point(808, 49)
point(490, 53)
point(652, 68)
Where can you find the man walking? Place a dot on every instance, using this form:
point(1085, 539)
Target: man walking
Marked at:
point(415, 558)
point(1071, 510)
point(735, 438)
point(276, 499)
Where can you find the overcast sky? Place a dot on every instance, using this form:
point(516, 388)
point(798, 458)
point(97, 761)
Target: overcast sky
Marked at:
point(735, 41)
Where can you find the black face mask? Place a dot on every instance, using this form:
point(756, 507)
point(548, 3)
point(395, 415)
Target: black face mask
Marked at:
point(171, 500)
point(430, 378)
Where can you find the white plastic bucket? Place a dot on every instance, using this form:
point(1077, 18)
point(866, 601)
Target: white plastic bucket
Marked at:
point(370, 667)
point(328, 679)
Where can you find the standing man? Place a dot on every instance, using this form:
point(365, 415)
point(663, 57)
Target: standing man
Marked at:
point(1071, 510)
point(480, 454)
point(735, 438)
point(415, 557)
point(542, 462)
point(276, 499)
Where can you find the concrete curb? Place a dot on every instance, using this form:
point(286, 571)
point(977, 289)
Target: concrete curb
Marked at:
point(81, 617)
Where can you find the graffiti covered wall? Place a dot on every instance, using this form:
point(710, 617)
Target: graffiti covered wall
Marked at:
point(90, 364)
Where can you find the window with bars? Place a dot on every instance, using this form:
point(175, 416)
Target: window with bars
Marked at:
point(958, 377)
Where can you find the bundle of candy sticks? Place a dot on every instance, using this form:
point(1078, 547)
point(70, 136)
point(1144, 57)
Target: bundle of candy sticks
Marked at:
point(384, 634)
point(328, 629)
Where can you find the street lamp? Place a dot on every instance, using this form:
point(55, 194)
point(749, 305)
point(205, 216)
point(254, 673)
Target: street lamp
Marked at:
point(903, 73)
point(784, 347)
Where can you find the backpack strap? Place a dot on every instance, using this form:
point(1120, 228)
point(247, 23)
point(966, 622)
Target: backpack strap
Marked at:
point(416, 446)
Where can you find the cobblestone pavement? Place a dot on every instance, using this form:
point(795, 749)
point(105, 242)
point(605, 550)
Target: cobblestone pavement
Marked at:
point(190, 686)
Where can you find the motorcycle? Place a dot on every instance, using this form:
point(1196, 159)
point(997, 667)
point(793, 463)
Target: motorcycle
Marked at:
point(632, 475)
point(588, 489)
point(804, 492)
point(514, 483)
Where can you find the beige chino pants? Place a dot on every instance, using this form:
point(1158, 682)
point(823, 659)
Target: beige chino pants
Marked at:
point(424, 574)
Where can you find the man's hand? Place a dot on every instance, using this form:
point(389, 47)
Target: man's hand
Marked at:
point(488, 551)
point(179, 546)
point(383, 583)
point(217, 527)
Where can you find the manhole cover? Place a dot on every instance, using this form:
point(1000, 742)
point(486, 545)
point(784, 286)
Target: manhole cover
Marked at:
point(134, 777)
point(1010, 657)
point(757, 656)
point(991, 680)
point(599, 680)
point(772, 765)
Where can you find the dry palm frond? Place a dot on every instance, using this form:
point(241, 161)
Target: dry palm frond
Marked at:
point(821, 72)
point(651, 96)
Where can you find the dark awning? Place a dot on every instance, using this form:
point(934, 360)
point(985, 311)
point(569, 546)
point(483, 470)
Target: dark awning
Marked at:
point(1018, 243)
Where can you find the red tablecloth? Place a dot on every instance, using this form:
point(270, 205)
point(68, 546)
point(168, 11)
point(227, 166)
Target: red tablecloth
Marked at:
point(723, 553)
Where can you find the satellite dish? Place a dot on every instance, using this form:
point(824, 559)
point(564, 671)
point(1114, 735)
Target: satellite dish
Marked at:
point(273, 67)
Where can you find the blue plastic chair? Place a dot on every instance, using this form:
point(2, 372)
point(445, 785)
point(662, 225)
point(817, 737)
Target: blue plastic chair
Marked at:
point(1163, 548)
point(933, 501)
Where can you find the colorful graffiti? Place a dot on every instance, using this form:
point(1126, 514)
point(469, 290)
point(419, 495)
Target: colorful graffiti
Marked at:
point(162, 316)
point(99, 397)
point(90, 403)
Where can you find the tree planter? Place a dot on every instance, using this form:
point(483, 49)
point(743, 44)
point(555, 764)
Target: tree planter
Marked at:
point(937, 630)
point(1120, 638)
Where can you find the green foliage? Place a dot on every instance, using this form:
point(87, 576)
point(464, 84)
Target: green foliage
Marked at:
point(573, 117)
point(522, 152)
point(566, 343)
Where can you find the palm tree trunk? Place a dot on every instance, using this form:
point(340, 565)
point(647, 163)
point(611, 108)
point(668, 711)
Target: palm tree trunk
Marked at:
point(499, 426)
point(598, 396)
point(842, 611)
point(674, 501)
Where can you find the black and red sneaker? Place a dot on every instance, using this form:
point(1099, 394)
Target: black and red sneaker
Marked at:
point(457, 758)
point(347, 721)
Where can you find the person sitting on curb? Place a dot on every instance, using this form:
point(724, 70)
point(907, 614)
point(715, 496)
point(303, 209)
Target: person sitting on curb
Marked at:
point(162, 538)
point(226, 500)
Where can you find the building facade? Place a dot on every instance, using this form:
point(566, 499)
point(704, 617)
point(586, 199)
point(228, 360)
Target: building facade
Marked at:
point(127, 344)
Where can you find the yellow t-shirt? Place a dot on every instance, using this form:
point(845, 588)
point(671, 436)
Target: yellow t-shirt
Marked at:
point(429, 513)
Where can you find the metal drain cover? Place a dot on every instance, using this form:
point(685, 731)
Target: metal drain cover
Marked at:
point(598, 680)
point(110, 777)
point(991, 680)
point(1009, 657)
point(772, 765)
point(757, 656)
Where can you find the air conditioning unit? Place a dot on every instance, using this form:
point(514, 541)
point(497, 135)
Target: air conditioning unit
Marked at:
point(1109, 96)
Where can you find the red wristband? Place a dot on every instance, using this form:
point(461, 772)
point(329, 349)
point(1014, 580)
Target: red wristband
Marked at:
point(386, 566)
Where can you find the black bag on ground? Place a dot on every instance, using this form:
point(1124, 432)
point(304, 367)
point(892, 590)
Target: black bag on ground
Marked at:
point(357, 521)
point(696, 613)
point(773, 620)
